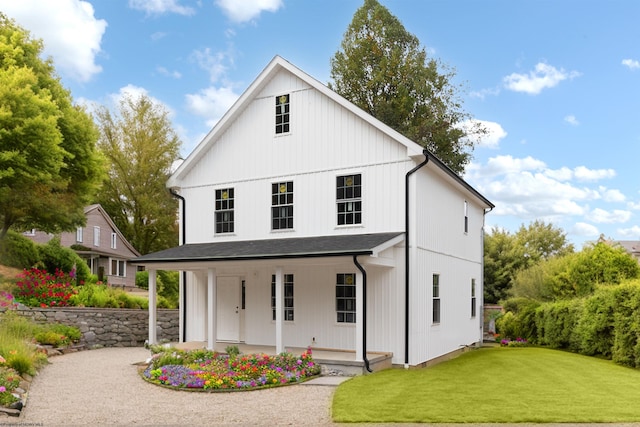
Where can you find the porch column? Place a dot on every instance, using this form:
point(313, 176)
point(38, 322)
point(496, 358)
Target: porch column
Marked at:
point(359, 316)
point(211, 309)
point(279, 308)
point(153, 337)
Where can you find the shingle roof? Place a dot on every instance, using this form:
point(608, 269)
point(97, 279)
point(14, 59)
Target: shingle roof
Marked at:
point(300, 247)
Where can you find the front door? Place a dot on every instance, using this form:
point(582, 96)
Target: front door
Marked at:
point(228, 309)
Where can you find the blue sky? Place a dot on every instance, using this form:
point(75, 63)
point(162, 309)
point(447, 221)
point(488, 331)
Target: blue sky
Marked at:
point(556, 82)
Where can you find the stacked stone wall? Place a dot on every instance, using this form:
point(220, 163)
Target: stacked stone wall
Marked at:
point(109, 327)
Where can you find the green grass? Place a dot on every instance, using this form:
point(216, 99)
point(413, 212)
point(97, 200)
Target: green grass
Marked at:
point(495, 385)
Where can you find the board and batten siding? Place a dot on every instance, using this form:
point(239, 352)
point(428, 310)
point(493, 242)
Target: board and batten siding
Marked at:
point(325, 141)
point(443, 247)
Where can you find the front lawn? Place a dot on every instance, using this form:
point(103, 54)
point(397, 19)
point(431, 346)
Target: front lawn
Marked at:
point(496, 385)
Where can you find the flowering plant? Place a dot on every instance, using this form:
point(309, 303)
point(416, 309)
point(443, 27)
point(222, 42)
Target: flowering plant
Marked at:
point(9, 380)
point(518, 342)
point(39, 288)
point(219, 371)
point(6, 300)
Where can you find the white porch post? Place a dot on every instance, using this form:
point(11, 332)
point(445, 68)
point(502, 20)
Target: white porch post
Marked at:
point(359, 316)
point(279, 309)
point(153, 337)
point(181, 286)
point(211, 309)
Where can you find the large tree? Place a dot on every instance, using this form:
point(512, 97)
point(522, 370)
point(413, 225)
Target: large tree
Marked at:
point(49, 166)
point(140, 146)
point(382, 69)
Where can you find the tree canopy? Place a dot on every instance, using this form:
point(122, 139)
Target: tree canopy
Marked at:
point(49, 166)
point(382, 69)
point(140, 147)
point(505, 254)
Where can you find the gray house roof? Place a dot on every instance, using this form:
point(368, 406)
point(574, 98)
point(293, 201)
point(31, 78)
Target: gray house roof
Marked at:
point(301, 247)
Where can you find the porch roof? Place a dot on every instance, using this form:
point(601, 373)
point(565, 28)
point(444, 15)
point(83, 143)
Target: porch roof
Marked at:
point(297, 247)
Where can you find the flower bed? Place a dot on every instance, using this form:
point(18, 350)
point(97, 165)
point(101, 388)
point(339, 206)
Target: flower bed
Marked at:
point(207, 370)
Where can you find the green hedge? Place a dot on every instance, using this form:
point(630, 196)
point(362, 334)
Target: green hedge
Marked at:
point(604, 324)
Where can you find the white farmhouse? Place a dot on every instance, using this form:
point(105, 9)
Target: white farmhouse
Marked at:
point(307, 222)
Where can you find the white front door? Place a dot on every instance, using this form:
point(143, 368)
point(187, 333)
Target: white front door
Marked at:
point(228, 309)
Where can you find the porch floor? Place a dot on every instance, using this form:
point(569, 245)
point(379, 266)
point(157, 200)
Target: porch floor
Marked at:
point(337, 362)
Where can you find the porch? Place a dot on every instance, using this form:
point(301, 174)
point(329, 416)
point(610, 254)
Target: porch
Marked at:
point(341, 362)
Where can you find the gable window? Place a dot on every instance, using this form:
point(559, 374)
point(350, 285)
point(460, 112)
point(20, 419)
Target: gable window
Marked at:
point(288, 297)
point(349, 199)
point(79, 235)
point(346, 298)
point(436, 298)
point(114, 240)
point(224, 210)
point(473, 297)
point(282, 205)
point(96, 236)
point(466, 217)
point(282, 114)
point(118, 268)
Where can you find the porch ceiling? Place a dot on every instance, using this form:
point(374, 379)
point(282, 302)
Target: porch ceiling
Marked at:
point(300, 247)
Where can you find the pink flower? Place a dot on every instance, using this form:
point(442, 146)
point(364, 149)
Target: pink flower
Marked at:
point(2, 389)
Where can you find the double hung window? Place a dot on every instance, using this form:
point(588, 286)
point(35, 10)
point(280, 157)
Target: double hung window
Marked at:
point(224, 210)
point(349, 199)
point(288, 297)
point(282, 205)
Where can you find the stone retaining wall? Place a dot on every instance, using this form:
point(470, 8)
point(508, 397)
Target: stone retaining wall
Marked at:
point(109, 327)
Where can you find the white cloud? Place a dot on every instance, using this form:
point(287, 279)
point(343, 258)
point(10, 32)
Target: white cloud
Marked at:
point(159, 7)
point(612, 195)
point(634, 206)
point(247, 10)
point(601, 216)
point(562, 174)
point(584, 174)
point(165, 72)
point(544, 76)
point(571, 119)
point(69, 29)
point(585, 230)
point(490, 139)
point(632, 233)
point(631, 63)
point(211, 103)
point(212, 63)
point(483, 93)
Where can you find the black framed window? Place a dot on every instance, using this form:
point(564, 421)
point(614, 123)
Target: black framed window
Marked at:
point(288, 297)
point(282, 205)
point(224, 210)
point(436, 298)
point(473, 297)
point(346, 298)
point(282, 114)
point(466, 217)
point(349, 199)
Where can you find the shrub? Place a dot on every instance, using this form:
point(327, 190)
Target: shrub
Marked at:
point(626, 324)
point(56, 257)
point(556, 323)
point(37, 288)
point(594, 330)
point(521, 322)
point(142, 279)
point(18, 251)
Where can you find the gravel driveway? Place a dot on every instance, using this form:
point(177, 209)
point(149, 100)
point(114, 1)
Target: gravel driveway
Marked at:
point(102, 387)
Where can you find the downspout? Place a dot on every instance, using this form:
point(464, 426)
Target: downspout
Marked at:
point(184, 273)
point(406, 255)
point(484, 214)
point(364, 312)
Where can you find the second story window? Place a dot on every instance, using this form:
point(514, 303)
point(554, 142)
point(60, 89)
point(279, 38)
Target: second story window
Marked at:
point(224, 210)
point(466, 217)
point(282, 205)
point(282, 114)
point(349, 199)
point(79, 235)
point(96, 236)
point(114, 241)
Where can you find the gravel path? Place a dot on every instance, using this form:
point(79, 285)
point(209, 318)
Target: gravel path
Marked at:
point(102, 387)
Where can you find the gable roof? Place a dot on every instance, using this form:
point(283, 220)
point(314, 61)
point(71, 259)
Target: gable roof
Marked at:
point(276, 65)
point(300, 247)
point(98, 208)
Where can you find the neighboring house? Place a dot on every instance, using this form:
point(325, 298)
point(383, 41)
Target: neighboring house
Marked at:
point(307, 222)
point(101, 244)
point(631, 246)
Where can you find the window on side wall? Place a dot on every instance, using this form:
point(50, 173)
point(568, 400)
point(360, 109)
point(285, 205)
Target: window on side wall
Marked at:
point(96, 236)
point(118, 268)
point(282, 114)
point(436, 298)
point(349, 199)
point(346, 298)
point(114, 241)
point(79, 234)
point(466, 217)
point(473, 297)
point(288, 297)
point(282, 205)
point(225, 202)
